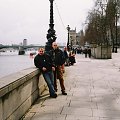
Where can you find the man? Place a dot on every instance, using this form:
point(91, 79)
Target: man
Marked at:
point(44, 63)
point(89, 52)
point(66, 56)
point(59, 60)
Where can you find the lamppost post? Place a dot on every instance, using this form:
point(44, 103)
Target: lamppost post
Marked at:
point(116, 27)
point(51, 37)
point(68, 47)
point(116, 34)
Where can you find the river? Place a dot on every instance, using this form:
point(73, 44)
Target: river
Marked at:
point(11, 62)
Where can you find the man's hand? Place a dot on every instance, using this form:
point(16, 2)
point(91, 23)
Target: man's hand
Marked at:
point(44, 69)
point(53, 68)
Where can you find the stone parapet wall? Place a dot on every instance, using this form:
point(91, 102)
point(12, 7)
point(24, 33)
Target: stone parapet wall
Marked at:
point(18, 92)
point(101, 52)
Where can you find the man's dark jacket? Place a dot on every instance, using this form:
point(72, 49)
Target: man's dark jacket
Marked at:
point(41, 61)
point(58, 57)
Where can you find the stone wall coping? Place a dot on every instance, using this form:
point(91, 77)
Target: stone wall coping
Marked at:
point(12, 81)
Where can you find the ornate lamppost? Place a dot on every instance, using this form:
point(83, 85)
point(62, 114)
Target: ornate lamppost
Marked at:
point(68, 42)
point(116, 25)
point(51, 37)
point(116, 33)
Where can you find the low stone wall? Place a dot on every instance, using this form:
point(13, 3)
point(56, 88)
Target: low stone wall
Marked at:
point(18, 92)
point(102, 52)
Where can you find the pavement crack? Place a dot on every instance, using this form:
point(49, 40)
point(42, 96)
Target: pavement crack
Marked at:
point(61, 110)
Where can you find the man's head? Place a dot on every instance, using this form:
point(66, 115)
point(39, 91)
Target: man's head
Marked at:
point(54, 45)
point(65, 48)
point(41, 51)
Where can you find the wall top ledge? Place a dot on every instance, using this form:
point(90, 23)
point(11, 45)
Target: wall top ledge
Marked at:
point(14, 80)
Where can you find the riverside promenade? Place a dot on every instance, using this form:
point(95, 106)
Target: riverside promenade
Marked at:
point(93, 87)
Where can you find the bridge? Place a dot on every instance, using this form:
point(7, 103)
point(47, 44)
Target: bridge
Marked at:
point(22, 48)
point(18, 46)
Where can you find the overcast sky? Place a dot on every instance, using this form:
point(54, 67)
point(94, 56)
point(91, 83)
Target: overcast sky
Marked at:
point(29, 19)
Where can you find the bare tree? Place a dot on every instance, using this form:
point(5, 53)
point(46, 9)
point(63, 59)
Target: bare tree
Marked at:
point(101, 21)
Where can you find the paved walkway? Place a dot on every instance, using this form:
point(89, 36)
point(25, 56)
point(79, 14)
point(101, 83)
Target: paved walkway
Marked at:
point(93, 88)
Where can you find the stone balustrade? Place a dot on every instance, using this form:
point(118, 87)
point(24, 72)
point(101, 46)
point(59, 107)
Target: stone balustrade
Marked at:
point(19, 91)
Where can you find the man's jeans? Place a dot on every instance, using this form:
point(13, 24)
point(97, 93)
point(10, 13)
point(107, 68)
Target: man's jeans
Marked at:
point(49, 78)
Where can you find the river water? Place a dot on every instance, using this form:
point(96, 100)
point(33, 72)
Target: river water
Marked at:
point(11, 62)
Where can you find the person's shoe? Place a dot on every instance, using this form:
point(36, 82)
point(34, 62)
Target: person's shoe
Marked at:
point(53, 96)
point(64, 93)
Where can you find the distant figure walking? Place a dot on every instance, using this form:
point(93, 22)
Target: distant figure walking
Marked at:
point(89, 52)
point(85, 52)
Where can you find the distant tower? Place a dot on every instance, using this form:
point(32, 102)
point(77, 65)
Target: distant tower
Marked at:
point(25, 42)
point(73, 35)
